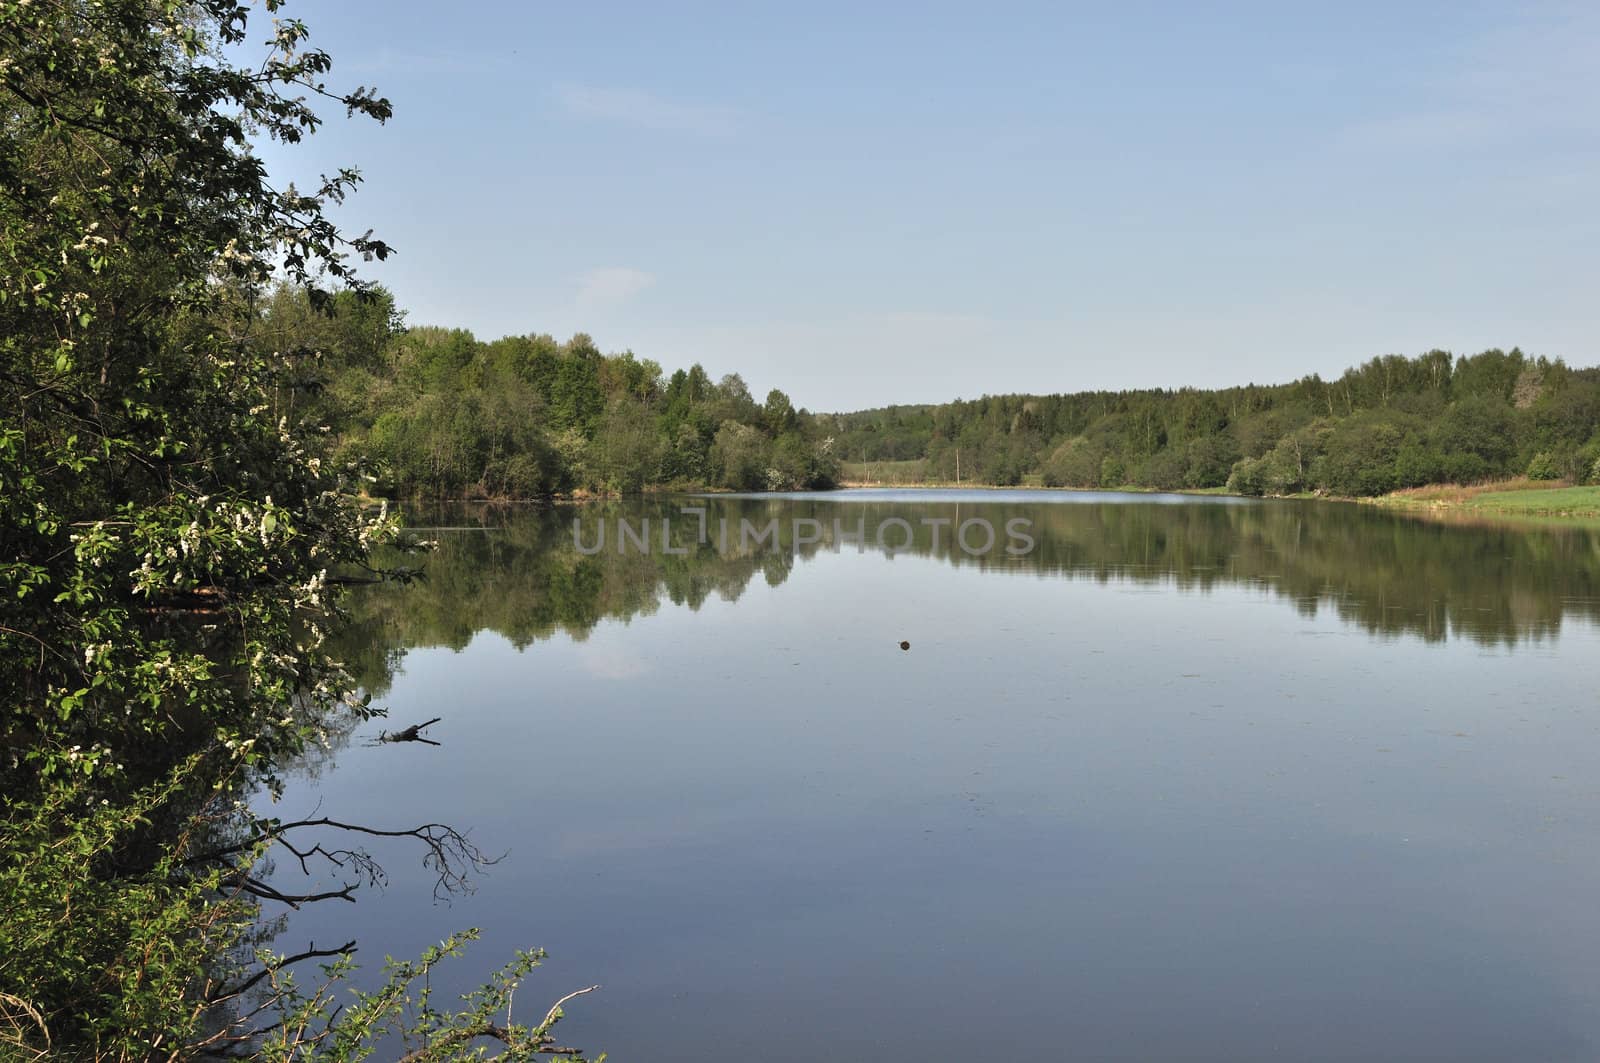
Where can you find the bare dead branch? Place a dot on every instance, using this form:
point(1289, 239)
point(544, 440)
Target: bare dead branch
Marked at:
point(410, 734)
point(256, 888)
point(555, 1009)
point(230, 992)
point(449, 854)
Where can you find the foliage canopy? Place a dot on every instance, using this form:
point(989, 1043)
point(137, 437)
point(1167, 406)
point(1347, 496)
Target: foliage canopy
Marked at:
point(174, 535)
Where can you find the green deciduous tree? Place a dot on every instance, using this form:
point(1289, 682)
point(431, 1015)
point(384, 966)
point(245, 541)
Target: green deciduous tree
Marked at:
point(173, 532)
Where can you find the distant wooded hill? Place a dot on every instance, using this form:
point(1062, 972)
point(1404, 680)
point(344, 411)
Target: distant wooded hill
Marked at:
point(446, 415)
point(1393, 422)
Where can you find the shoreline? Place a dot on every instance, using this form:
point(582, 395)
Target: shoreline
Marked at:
point(947, 485)
point(1512, 500)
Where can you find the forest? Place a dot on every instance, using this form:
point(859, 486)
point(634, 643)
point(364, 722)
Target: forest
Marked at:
point(438, 413)
point(441, 414)
point(1391, 423)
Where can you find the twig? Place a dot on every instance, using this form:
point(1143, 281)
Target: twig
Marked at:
point(42, 644)
point(552, 1016)
point(536, 1040)
point(311, 953)
point(17, 1036)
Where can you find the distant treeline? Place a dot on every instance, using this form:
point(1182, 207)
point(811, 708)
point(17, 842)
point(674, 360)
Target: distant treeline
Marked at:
point(442, 414)
point(1394, 422)
point(445, 415)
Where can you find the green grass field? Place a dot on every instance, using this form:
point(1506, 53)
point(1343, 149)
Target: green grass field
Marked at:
point(1527, 498)
point(1555, 501)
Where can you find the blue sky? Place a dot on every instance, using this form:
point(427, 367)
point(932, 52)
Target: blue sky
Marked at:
point(869, 203)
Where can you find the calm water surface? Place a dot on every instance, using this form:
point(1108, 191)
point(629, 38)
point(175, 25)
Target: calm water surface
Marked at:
point(1191, 779)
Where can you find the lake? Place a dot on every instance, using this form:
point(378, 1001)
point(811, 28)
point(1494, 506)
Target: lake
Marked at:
point(1186, 778)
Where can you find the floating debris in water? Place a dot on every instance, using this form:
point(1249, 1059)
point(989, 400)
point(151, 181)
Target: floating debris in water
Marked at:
point(904, 645)
point(410, 734)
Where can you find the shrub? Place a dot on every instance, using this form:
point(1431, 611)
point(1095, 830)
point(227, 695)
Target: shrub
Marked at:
point(1544, 466)
point(1247, 477)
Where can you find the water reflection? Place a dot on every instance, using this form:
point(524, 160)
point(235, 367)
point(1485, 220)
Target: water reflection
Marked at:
point(1115, 797)
point(518, 570)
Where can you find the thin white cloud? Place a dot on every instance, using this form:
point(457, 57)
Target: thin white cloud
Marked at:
point(646, 111)
point(611, 286)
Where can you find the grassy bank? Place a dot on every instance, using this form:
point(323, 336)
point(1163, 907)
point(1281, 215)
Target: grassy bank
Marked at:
point(1512, 498)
